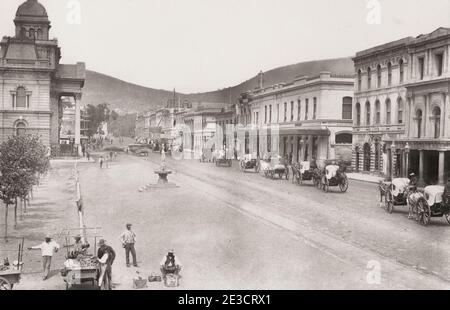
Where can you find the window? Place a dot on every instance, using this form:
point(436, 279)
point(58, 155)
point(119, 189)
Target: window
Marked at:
point(270, 114)
point(31, 33)
point(437, 122)
point(367, 113)
point(359, 80)
point(306, 109)
point(39, 34)
point(377, 113)
point(389, 68)
point(421, 67)
point(344, 138)
point(369, 78)
point(299, 109)
point(315, 108)
point(400, 110)
point(439, 64)
point(265, 115)
point(419, 123)
point(347, 108)
point(388, 111)
point(23, 32)
point(285, 112)
point(379, 76)
point(21, 98)
point(21, 128)
point(292, 111)
point(402, 70)
point(358, 114)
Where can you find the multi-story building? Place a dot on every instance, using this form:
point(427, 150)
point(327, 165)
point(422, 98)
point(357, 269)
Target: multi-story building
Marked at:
point(34, 82)
point(403, 107)
point(312, 115)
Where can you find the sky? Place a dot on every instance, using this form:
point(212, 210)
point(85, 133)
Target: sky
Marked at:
point(204, 45)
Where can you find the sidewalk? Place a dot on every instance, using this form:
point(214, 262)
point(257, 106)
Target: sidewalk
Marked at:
point(364, 177)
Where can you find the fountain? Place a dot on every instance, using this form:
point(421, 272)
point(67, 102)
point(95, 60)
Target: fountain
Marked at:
point(163, 174)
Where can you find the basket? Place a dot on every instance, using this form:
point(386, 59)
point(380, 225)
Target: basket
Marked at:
point(154, 278)
point(139, 283)
point(171, 280)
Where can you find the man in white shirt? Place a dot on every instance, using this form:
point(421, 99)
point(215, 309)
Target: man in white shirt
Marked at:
point(128, 239)
point(48, 248)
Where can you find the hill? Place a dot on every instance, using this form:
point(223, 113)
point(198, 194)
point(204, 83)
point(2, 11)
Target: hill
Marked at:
point(129, 97)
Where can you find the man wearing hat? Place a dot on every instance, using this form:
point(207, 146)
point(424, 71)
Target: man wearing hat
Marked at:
point(128, 239)
point(170, 264)
point(413, 179)
point(106, 256)
point(48, 248)
point(79, 247)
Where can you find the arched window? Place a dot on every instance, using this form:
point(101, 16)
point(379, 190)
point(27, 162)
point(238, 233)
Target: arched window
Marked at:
point(369, 78)
point(21, 98)
point(347, 108)
point(344, 138)
point(402, 70)
point(389, 68)
point(367, 113)
point(379, 76)
point(388, 111)
point(419, 123)
point(437, 121)
point(400, 110)
point(358, 114)
point(31, 33)
point(39, 34)
point(377, 113)
point(21, 128)
point(359, 80)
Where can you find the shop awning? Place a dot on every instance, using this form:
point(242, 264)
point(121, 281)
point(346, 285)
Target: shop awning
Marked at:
point(305, 131)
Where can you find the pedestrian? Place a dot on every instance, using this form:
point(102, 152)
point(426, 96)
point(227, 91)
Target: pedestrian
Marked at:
point(170, 264)
point(128, 239)
point(101, 162)
point(106, 256)
point(111, 154)
point(88, 155)
point(48, 248)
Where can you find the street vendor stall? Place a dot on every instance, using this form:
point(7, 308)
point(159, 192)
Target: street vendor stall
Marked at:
point(81, 268)
point(10, 273)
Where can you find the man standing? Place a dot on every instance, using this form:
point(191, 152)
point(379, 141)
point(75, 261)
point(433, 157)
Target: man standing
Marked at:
point(48, 248)
point(106, 256)
point(128, 239)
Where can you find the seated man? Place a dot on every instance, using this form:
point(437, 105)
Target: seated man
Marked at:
point(79, 248)
point(170, 264)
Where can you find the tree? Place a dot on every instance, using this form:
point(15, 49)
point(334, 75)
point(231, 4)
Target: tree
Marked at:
point(97, 115)
point(22, 160)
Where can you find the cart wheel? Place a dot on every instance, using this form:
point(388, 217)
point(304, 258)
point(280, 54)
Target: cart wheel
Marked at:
point(447, 217)
point(5, 285)
point(344, 184)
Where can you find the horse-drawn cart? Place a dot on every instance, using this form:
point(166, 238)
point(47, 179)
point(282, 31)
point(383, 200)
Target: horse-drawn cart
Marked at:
point(304, 171)
point(273, 166)
point(334, 176)
point(249, 162)
point(11, 274)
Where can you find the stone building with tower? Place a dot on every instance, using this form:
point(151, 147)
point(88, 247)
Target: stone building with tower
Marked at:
point(33, 82)
point(402, 108)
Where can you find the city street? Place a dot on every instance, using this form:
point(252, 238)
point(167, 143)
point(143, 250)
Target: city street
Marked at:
point(234, 230)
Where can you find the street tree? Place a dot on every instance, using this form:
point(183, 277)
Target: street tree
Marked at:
point(22, 159)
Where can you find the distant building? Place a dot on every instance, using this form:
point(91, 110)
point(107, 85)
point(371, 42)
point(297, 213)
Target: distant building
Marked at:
point(34, 81)
point(402, 108)
point(312, 115)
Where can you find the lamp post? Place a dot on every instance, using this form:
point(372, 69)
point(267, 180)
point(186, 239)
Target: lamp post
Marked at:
point(407, 149)
point(392, 159)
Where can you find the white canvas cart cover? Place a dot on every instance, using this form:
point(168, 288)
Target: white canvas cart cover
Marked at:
point(331, 171)
point(304, 166)
point(400, 185)
point(433, 194)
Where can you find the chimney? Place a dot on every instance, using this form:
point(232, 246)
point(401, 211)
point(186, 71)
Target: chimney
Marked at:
point(261, 80)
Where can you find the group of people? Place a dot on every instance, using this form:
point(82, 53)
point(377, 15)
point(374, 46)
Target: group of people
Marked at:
point(170, 263)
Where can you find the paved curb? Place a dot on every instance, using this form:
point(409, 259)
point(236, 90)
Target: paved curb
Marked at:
point(364, 178)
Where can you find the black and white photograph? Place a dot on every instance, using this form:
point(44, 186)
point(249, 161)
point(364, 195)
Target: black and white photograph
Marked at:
point(225, 145)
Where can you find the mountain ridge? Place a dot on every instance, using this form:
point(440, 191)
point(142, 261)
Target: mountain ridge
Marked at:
point(131, 98)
